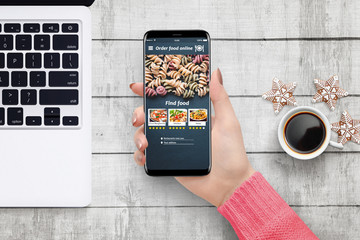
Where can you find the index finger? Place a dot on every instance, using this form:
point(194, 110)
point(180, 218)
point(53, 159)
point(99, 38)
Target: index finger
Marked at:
point(137, 88)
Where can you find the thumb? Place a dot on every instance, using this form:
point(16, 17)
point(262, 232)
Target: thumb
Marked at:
point(220, 98)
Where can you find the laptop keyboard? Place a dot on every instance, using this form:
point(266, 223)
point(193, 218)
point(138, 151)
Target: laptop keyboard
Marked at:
point(40, 75)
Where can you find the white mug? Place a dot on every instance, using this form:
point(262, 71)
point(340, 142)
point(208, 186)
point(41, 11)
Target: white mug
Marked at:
point(317, 152)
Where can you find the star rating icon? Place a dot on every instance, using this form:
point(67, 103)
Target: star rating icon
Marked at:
point(328, 91)
point(347, 128)
point(280, 95)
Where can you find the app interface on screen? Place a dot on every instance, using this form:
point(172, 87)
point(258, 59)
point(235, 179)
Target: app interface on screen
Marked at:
point(177, 103)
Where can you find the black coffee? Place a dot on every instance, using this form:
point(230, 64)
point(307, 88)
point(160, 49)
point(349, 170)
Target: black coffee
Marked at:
point(305, 132)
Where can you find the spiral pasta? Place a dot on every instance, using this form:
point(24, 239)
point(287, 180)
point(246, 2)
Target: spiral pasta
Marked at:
point(188, 93)
point(202, 91)
point(175, 83)
point(161, 91)
point(204, 66)
point(203, 79)
point(168, 58)
point(174, 74)
point(163, 71)
point(167, 86)
point(185, 60)
point(191, 78)
point(183, 71)
point(148, 63)
point(178, 91)
point(154, 83)
point(200, 58)
point(182, 75)
point(192, 67)
point(180, 88)
point(193, 86)
point(150, 92)
point(154, 68)
point(148, 76)
point(155, 59)
point(175, 62)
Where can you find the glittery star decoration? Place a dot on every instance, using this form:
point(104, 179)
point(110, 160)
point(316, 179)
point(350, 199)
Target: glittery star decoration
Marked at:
point(347, 129)
point(329, 91)
point(280, 95)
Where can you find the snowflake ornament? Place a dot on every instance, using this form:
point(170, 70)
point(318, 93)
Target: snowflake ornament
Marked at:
point(329, 91)
point(347, 129)
point(280, 95)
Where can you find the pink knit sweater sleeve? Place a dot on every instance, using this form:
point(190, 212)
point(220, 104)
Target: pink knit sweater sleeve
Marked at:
point(256, 211)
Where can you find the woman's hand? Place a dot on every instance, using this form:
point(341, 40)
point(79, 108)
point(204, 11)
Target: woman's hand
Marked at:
point(230, 166)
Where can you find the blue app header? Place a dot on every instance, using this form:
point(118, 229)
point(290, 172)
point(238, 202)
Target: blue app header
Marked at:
point(185, 46)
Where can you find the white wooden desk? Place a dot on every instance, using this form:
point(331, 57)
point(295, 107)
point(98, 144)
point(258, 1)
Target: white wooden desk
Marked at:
point(253, 41)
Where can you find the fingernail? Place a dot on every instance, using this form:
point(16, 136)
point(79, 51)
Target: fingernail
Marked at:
point(131, 84)
point(138, 144)
point(218, 72)
point(134, 118)
point(139, 158)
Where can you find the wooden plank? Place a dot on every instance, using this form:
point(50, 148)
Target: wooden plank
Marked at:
point(332, 222)
point(113, 132)
point(119, 181)
point(157, 223)
point(114, 223)
point(130, 19)
point(332, 179)
point(248, 67)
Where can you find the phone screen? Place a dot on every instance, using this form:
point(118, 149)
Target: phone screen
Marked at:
point(177, 104)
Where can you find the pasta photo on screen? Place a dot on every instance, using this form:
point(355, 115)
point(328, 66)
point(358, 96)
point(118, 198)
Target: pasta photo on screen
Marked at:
point(181, 75)
point(178, 115)
point(198, 114)
point(158, 115)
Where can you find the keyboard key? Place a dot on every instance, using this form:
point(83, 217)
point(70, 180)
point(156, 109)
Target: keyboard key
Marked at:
point(15, 60)
point(4, 79)
point(52, 121)
point(6, 42)
point(37, 79)
point(19, 79)
point(65, 42)
point(28, 97)
point(33, 121)
point(2, 60)
point(15, 116)
point(31, 27)
point(70, 28)
point(41, 42)
point(52, 60)
point(51, 28)
point(2, 116)
point(12, 27)
point(59, 97)
point(23, 42)
point(52, 112)
point(52, 116)
point(70, 121)
point(10, 97)
point(33, 60)
point(63, 79)
point(70, 60)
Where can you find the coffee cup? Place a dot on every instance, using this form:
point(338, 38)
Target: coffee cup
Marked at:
point(304, 133)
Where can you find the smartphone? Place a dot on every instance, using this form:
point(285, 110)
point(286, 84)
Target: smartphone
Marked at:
point(177, 103)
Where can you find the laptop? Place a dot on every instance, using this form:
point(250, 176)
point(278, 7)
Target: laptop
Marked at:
point(45, 103)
